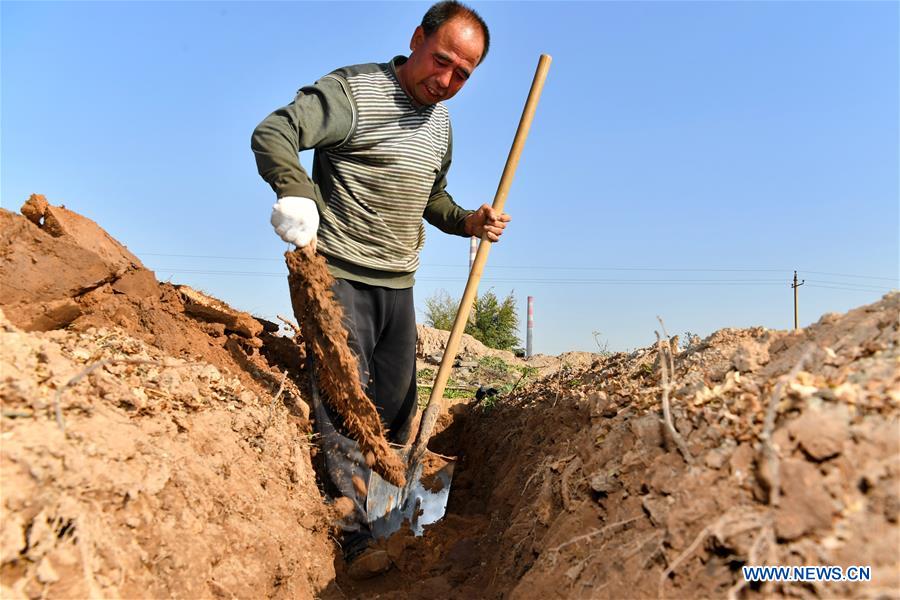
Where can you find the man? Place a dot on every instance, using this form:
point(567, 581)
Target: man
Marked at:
point(383, 147)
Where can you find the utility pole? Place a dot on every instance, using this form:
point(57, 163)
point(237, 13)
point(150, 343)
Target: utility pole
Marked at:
point(795, 285)
point(529, 336)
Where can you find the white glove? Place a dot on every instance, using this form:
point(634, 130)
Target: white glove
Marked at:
point(296, 220)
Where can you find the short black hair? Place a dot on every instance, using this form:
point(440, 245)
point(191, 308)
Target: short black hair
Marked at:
point(443, 11)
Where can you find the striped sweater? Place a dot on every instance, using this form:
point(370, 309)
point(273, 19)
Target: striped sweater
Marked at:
point(380, 166)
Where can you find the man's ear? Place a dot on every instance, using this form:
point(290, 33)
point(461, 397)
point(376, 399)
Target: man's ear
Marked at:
point(418, 38)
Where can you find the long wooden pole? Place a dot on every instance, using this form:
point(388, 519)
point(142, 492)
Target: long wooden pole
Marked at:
point(435, 401)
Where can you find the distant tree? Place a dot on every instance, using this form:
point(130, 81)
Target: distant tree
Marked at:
point(440, 310)
point(495, 325)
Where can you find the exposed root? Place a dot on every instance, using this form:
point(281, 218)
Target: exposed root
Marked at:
point(275, 400)
point(321, 318)
point(734, 522)
point(766, 536)
point(554, 552)
point(565, 483)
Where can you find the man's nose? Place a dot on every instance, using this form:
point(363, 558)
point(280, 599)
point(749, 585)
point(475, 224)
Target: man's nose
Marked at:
point(444, 78)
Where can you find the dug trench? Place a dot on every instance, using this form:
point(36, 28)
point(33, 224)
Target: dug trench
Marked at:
point(157, 443)
point(574, 487)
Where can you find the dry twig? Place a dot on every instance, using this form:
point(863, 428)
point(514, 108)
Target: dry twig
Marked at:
point(540, 468)
point(752, 559)
point(559, 381)
point(292, 325)
point(275, 399)
point(665, 363)
point(671, 354)
point(587, 536)
point(733, 522)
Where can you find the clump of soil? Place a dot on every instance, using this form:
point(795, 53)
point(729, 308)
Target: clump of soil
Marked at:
point(321, 320)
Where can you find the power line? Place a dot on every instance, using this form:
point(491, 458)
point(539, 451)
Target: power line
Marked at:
point(456, 266)
point(555, 267)
point(502, 280)
point(893, 279)
point(554, 281)
point(206, 272)
point(659, 269)
point(619, 281)
point(562, 280)
point(207, 256)
point(848, 283)
point(849, 289)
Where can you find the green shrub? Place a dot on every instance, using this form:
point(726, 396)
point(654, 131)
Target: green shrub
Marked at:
point(495, 324)
point(494, 364)
point(423, 393)
point(528, 371)
point(440, 310)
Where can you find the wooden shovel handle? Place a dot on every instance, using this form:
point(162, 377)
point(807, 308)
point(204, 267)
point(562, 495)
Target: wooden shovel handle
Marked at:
point(435, 401)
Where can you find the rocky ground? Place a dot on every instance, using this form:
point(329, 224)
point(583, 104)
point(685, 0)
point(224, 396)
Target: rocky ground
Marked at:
point(157, 443)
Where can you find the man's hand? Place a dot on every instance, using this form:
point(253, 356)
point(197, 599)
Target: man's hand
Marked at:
point(486, 220)
point(296, 220)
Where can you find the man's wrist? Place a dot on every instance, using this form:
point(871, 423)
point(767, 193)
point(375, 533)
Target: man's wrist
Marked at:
point(468, 225)
point(297, 189)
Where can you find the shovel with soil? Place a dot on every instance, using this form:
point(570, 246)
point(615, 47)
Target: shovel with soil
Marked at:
point(423, 499)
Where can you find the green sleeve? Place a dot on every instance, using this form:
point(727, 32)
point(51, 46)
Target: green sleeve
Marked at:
point(321, 116)
point(441, 211)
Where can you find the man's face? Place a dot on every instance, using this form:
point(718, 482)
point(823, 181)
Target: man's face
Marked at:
point(441, 63)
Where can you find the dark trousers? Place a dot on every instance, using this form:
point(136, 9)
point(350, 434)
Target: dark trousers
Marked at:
point(381, 329)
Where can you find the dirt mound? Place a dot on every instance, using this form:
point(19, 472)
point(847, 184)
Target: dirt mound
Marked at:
point(158, 445)
point(171, 479)
point(578, 490)
point(431, 342)
point(38, 286)
point(59, 270)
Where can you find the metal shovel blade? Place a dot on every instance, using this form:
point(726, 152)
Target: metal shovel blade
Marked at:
point(418, 503)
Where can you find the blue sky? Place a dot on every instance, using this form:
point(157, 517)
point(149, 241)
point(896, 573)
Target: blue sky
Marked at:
point(685, 157)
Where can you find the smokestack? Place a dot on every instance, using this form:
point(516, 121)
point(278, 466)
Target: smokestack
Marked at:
point(530, 332)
